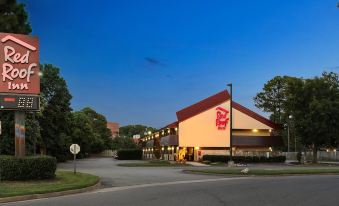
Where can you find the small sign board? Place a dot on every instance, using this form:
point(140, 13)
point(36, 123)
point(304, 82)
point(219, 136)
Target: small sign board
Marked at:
point(74, 148)
point(19, 102)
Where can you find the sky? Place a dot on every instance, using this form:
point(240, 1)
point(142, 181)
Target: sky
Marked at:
point(138, 62)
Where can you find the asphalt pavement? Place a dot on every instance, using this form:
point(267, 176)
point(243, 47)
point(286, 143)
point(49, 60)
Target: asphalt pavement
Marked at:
point(169, 186)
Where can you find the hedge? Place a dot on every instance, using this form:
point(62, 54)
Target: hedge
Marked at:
point(27, 168)
point(129, 154)
point(243, 159)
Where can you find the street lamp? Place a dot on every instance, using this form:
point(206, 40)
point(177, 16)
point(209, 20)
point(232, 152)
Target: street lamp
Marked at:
point(231, 126)
point(288, 133)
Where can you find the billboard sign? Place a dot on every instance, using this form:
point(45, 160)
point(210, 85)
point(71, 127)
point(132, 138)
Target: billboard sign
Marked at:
point(19, 64)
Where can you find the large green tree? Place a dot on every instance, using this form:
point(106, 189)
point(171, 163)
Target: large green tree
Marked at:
point(55, 112)
point(314, 104)
point(13, 17)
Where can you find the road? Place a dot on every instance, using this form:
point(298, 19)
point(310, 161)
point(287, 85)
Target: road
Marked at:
point(189, 189)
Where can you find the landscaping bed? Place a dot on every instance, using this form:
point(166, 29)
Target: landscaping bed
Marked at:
point(64, 180)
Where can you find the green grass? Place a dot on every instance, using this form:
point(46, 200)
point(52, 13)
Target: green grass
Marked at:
point(152, 163)
point(268, 171)
point(63, 181)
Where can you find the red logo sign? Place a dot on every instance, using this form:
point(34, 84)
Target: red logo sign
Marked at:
point(19, 64)
point(221, 120)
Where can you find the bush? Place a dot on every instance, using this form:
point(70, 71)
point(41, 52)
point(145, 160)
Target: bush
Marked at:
point(243, 159)
point(129, 154)
point(27, 168)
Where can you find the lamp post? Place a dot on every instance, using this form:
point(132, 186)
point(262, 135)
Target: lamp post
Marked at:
point(231, 121)
point(288, 133)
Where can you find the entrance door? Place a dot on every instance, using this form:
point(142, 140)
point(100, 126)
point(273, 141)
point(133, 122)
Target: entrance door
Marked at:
point(190, 154)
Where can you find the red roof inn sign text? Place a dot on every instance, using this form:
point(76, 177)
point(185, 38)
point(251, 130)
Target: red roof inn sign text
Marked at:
point(19, 72)
point(19, 64)
point(221, 119)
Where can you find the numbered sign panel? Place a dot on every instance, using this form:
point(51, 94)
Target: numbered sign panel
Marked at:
point(19, 102)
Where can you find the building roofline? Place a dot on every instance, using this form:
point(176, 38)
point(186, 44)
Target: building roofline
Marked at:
point(215, 100)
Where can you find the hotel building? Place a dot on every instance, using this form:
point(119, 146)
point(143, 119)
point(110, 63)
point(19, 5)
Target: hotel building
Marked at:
point(203, 128)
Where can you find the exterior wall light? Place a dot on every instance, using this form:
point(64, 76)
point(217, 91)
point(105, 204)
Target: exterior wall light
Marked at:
point(270, 130)
point(197, 148)
point(254, 130)
point(176, 129)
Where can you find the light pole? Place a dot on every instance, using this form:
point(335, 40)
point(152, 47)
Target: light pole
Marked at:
point(231, 126)
point(288, 133)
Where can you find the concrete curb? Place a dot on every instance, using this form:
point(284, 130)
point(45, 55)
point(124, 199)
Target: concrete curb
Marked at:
point(52, 194)
point(254, 175)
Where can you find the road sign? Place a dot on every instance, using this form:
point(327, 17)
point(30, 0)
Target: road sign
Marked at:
point(74, 148)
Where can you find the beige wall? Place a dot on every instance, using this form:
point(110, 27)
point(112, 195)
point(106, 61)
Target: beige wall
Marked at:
point(201, 131)
point(243, 121)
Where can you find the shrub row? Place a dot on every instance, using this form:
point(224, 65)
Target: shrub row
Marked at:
point(129, 154)
point(243, 159)
point(27, 168)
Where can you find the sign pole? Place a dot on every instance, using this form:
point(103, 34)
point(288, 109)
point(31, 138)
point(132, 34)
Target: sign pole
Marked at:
point(74, 160)
point(19, 117)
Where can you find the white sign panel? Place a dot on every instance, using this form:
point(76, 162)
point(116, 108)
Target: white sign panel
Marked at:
point(74, 148)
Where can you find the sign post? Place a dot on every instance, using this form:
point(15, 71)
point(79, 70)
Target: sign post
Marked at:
point(19, 81)
point(74, 149)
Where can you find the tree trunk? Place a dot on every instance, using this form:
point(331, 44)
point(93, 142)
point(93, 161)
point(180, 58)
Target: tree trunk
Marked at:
point(315, 152)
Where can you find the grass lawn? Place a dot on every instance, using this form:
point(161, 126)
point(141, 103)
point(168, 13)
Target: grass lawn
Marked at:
point(152, 163)
point(268, 171)
point(64, 180)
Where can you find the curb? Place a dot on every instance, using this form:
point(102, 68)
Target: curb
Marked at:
point(254, 175)
point(52, 194)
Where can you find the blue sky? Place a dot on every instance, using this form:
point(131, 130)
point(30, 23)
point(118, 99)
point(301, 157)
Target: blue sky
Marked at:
point(138, 62)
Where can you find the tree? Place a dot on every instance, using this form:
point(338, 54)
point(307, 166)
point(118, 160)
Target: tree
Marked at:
point(314, 104)
point(273, 98)
point(56, 112)
point(99, 125)
point(130, 130)
point(82, 132)
point(14, 18)
point(123, 143)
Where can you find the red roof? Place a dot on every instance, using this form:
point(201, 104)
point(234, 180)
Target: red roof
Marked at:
point(215, 100)
point(202, 105)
